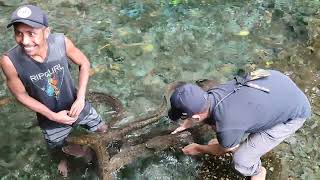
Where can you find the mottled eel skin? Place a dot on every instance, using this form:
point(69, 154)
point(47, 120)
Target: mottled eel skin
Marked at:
point(98, 141)
point(113, 102)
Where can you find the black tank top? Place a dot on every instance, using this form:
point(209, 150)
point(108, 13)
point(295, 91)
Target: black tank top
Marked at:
point(49, 82)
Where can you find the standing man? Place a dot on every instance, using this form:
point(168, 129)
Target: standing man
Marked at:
point(38, 75)
point(266, 105)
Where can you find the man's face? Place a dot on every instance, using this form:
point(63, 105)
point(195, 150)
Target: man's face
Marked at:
point(32, 40)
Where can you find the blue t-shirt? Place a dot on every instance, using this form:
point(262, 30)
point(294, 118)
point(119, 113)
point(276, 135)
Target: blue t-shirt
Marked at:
point(250, 110)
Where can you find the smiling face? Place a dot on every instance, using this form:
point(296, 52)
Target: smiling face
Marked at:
point(32, 40)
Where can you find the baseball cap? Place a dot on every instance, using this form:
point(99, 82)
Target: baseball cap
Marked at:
point(30, 15)
point(187, 100)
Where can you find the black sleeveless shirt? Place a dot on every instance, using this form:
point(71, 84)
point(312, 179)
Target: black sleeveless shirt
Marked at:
point(49, 82)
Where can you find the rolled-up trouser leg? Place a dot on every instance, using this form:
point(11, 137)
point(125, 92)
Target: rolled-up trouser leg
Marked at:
point(247, 158)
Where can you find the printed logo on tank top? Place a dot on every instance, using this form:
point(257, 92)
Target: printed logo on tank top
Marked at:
point(49, 81)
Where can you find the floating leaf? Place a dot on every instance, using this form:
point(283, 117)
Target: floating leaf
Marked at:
point(269, 63)
point(148, 48)
point(243, 33)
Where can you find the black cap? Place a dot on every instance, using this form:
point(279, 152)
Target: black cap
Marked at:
point(187, 100)
point(30, 15)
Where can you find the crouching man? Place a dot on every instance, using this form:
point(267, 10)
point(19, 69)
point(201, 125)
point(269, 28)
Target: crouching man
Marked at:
point(268, 108)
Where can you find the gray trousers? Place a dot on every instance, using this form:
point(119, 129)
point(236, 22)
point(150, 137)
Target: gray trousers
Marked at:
point(247, 158)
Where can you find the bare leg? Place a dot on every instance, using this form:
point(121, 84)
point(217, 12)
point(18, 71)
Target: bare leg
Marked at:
point(82, 151)
point(102, 128)
point(78, 151)
point(63, 168)
point(261, 175)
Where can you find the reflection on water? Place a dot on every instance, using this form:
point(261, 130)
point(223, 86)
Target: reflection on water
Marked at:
point(136, 47)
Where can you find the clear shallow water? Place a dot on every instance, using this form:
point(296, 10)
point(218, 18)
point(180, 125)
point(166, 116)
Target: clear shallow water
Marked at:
point(137, 47)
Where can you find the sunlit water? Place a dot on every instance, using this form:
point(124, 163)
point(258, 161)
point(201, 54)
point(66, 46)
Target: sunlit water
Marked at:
point(136, 47)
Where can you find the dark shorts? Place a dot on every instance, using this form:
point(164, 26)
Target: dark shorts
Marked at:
point(55, 133)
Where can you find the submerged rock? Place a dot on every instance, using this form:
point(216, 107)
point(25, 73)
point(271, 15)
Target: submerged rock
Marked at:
point(221, 167)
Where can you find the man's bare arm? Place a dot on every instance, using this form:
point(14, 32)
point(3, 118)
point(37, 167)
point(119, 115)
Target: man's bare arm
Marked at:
point(216, 149)
point(186, 124)
point(213, 148)
point(77, 57)
point(18, 90)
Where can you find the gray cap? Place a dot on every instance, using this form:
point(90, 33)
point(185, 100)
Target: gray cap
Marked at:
point(30, 15)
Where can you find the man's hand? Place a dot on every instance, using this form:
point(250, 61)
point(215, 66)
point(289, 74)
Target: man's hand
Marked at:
point(188, 123)
point(213, 148)
point(179, 129)
point(192, 149)
point(62, 117)
point(77, 107)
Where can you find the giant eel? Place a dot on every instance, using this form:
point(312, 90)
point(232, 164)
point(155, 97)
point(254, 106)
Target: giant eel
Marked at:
point(99, 141)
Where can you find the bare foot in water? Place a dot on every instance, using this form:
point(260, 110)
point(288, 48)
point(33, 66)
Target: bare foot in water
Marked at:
point(261, 175)
point(63, 168)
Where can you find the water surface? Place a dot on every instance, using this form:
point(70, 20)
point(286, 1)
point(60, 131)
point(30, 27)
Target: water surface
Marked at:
point(137, 47)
